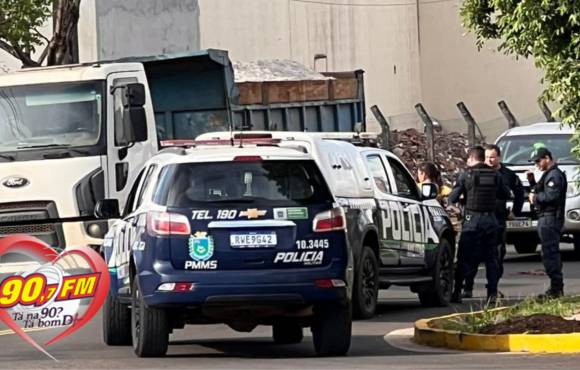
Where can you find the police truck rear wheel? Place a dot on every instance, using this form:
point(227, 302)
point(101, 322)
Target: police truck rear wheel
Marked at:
point(366, 285)
point(116, 322)
point(287, 332)
point(332, 329)
point(438, 293)
point(149, 326)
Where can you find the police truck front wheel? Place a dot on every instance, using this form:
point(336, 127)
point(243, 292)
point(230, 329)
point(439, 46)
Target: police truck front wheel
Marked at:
point(438, 293)
point(366, 285)
point(332, 329)
point(116, 322)
point(149, 326)
point(287, 332)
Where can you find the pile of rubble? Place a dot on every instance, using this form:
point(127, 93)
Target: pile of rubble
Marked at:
point(450, 151)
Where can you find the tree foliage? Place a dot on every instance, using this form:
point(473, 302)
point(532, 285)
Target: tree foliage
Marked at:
point(20, 30)
point(547, 31)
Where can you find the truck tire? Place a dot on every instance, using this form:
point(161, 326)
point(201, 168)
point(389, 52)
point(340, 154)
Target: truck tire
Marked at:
point(526, 246)
point(366, 285)
point(332, 329)
point(438, 292)
point(149, 326)
point(287, 332)
point(116, 322)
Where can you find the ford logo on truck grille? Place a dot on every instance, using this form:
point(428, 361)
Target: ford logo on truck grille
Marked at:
point(15, 182)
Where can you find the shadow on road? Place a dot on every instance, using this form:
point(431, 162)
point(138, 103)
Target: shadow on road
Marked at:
point(264, 348)
point(567, 256)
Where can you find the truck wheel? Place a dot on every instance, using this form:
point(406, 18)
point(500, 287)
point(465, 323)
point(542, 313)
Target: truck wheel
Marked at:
point(149, 326)
point(116, 322)
point(438, 293)
point(526, 246)
point(331, 329)
point(287, 332)
point(366, 285)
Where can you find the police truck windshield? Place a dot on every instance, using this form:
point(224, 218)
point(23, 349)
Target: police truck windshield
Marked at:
point(258, 182)
point(50, 116)
point(517, 150)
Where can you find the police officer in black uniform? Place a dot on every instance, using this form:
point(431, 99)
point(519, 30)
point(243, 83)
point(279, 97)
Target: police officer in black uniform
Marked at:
point(549, 199)
point(480, 186)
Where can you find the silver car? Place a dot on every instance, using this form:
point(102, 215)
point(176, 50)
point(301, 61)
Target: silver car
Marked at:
point(516, 147)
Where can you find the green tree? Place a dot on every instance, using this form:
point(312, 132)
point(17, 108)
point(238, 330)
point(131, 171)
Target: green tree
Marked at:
point(20, 24)
point(547, 31)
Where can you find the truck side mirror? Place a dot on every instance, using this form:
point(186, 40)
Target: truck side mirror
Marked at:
point(107, 208)
point(132, 125)
point(429, 191)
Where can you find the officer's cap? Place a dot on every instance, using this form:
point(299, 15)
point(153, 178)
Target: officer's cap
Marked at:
point(539, 154)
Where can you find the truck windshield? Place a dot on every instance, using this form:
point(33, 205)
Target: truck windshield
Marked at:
point(50, 115)
point(517, 150)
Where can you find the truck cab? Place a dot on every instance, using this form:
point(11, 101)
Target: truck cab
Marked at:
point(73, 135)
point(517, 145)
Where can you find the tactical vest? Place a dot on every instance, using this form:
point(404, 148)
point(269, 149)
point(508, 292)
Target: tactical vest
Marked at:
point(481, 186)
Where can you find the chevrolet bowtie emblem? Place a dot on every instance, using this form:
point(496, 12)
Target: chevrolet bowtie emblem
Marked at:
point(252, 213)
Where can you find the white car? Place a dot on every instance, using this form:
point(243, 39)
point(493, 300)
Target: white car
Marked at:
point(517, 145)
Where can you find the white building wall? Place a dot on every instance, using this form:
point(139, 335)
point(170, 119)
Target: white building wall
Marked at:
point(145, 27)
point(412, 50)
point(379, 36)
point(453, 70)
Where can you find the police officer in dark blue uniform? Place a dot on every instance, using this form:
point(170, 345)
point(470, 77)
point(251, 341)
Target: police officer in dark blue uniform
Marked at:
point(509, 177)
point(549, 199)
point(480, 186)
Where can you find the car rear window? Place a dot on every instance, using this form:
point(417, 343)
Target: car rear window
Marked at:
point(261, 182)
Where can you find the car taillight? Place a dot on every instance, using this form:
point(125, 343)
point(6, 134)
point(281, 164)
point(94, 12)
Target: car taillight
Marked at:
point(165, 223)
point(330, 220)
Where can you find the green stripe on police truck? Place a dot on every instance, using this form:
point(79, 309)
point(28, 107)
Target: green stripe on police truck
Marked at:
point(291, 213)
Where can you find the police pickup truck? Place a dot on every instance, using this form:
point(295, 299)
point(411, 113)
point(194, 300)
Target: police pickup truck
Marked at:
point(517, 145)
point(398, 234)
point(242, 232)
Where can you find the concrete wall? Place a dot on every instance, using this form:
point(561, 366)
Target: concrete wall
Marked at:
point(144, 27)
point(412, 50)
point(380, 39)
point(453, 70)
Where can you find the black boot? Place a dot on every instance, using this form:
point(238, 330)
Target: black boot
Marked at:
point(551, 293)
point(456, 296)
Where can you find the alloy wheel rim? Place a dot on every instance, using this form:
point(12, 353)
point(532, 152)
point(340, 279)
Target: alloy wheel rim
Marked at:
point(369, 282)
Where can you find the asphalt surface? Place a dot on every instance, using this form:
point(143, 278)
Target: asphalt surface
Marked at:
point(218, 347)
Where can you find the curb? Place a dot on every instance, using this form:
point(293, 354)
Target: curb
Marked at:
point(531, 343)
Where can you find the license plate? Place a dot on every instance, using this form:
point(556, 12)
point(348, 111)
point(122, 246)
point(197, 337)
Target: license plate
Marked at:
point(519, 224)
point(261, 240)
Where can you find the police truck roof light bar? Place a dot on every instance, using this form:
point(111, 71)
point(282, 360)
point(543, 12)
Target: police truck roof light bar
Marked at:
point(225, 142)
point(165, 223)
point(329, 220)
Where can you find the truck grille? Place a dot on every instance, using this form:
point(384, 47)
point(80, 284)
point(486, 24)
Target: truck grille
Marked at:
point(16, 212)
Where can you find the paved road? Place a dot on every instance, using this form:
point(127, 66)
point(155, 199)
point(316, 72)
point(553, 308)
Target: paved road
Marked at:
point(218, 347)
